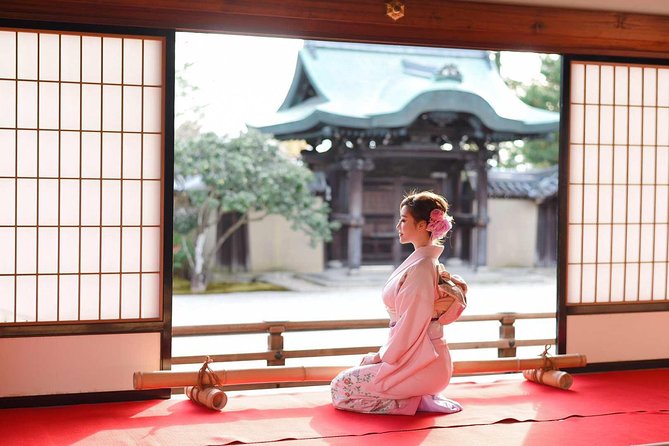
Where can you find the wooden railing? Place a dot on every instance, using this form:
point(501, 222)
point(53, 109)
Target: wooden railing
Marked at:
point(276, 355)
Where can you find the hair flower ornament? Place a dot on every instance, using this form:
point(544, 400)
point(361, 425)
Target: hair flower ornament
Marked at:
point(439, 224)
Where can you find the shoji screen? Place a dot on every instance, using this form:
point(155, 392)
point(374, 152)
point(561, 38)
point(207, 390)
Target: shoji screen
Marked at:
point(618, 184)
point(81, 177)
point(617, 256)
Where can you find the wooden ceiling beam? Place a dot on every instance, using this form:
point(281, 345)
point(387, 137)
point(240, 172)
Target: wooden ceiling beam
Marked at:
point(445, 23)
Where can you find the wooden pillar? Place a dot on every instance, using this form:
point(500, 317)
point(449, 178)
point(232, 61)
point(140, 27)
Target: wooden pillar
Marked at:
point(397, 246)
point(339, 211)
point(356, 220)
point(275, 344)
point(507, 331)
point(453, 193)
point(480, 255)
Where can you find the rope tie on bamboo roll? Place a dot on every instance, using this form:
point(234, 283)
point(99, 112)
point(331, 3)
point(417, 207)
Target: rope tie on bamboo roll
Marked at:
point(208, 390)
point(206, 373)
point(548, 360)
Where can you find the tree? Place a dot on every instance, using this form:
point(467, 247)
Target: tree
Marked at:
point(248, 175)
point(543, 93)
point(189, 111)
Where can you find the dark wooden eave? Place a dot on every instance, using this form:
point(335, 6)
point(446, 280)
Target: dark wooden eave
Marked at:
point(444, 23)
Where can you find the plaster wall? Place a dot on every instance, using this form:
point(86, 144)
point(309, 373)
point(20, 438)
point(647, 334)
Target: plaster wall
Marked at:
point(75, 364)
point(275, 246)
point(512, 232)
point(619, 336)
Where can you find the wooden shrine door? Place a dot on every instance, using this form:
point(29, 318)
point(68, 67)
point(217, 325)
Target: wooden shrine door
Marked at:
point(381, 198)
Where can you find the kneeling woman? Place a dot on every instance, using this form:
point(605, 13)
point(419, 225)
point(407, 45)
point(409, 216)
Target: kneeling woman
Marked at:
point(414, 365)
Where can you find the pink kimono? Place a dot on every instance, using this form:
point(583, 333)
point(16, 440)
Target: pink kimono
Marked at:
point(414, 361)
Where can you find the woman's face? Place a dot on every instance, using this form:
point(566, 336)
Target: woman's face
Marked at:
point(410, 231)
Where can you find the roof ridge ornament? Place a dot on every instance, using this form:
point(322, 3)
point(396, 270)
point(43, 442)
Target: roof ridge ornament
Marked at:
point(395, 9)
point(448, 71)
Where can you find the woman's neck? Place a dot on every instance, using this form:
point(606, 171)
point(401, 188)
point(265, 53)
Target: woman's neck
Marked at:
point(421, 244)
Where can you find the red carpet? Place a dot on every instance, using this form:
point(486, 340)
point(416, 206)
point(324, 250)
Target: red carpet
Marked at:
point(609, 430)
point(639, 397)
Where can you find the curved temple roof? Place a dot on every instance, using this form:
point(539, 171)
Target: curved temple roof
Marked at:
point(537, 184)
point(369, 86)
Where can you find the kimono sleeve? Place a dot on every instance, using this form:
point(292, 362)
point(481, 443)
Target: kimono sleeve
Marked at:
point(414, 305)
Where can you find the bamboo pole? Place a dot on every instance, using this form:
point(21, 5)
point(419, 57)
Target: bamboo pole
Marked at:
point(166, 378)
point(278, 374)
point(503, 365)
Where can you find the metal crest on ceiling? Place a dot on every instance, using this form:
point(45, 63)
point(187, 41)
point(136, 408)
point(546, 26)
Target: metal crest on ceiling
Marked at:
point(395, 9)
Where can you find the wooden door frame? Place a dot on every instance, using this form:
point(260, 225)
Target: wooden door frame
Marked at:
point(442, 23)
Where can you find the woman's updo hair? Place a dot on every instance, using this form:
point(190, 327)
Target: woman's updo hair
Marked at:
point(421, 204)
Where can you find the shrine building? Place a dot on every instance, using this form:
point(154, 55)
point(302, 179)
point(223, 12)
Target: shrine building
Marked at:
point(384, 120)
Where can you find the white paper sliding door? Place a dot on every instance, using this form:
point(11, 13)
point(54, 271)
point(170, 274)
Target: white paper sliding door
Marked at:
point(82, 188)
point(617, 207)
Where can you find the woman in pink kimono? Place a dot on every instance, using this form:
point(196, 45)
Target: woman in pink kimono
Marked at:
point(414, 365)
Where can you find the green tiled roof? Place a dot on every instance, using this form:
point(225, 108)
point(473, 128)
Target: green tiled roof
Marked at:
point(366, 86)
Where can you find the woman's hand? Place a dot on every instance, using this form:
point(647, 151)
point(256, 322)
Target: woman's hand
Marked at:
point(370, 358)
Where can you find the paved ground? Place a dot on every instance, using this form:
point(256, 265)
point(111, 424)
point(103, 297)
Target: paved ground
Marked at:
point(341, 296)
